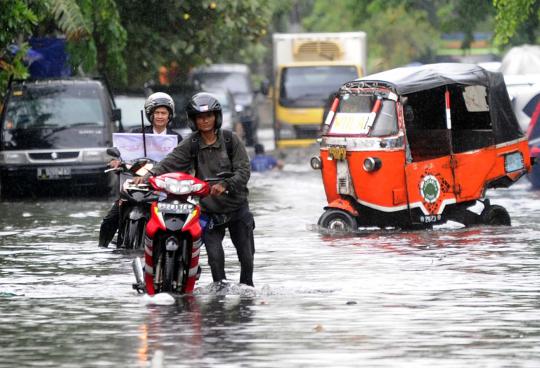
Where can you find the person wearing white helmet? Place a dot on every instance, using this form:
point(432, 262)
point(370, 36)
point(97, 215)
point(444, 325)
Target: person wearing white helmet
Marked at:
point(159, 110)
point(208, 151)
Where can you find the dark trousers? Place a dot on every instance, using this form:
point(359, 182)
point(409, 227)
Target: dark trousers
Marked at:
point(109, 225)
point(240, 225)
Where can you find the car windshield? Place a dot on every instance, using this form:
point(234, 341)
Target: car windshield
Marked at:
point(311, 86)
point(360, 114)
point(234, 82)
point(223, 100)
point(60, 106)
point(131, 110)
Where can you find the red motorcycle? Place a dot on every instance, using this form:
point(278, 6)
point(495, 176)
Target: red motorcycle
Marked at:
point(173, 234)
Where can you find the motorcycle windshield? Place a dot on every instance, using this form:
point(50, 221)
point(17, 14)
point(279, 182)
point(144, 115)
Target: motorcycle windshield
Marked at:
point(364, 115)
point(56, 116)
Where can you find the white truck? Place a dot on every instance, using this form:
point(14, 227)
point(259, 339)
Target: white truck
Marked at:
point(308, 67)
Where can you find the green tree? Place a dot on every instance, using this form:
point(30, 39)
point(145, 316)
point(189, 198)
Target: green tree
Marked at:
point(17, 20)
point(95, 36)
point(516, 18)
point(100, 51)
point(190, 33)
point(398, 32)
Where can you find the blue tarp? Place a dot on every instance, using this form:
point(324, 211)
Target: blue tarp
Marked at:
point(53, 60)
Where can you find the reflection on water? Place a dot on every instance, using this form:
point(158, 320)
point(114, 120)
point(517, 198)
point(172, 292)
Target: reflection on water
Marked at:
point(449, 297)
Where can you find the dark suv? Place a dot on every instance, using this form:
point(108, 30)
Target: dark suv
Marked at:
point(237, 79)
point(55, 133)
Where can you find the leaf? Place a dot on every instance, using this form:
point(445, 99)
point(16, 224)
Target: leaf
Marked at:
point(69, 18)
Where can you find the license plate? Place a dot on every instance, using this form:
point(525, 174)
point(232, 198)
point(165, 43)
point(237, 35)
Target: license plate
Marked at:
point(52, 173)
point(178, 208)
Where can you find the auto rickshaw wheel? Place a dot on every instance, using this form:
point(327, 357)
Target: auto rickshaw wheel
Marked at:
point(495, 215)
point(338, 220)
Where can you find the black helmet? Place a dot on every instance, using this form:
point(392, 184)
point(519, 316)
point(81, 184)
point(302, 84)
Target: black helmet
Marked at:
point(156, 100)
point(203, 102)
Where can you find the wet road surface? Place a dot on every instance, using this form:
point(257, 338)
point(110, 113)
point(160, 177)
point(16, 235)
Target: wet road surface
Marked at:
point(451, 297)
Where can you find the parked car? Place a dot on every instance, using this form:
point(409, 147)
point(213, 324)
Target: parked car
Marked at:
point(521, 89)
point(131, 104)
point(237, 79)
point(55, 132)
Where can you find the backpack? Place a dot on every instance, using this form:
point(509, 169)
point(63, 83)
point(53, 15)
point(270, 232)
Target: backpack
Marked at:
point(194, 149)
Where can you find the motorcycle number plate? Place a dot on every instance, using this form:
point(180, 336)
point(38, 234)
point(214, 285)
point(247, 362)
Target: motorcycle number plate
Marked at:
point(178, 208)
point(54, 172)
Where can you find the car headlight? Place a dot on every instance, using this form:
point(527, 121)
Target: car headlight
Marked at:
point(94, 155)
point(178, 186)
point(13, 158)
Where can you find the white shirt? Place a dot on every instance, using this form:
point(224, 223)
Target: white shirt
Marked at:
point(164, 132)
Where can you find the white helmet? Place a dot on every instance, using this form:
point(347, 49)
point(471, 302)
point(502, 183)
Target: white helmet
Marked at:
point(156, 100)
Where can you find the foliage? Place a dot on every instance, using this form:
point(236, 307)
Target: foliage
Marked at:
point(512, 15)
point(190, 33)
point(101, 51)
point(16, 19)
point(397, 33)
point(128, 41)
point(400, 37)
point(68, 18)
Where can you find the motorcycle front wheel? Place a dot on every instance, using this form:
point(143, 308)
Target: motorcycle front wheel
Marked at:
point(136, 234)
point(168, 271)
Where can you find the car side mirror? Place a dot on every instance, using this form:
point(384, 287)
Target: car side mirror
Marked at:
point(116, 114)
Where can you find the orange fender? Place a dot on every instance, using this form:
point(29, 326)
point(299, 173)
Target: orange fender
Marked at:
point(342, 204)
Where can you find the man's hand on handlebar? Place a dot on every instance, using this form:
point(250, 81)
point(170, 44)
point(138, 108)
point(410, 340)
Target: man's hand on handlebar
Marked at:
point(114, 163)
point(139, 180)
point(217, 189)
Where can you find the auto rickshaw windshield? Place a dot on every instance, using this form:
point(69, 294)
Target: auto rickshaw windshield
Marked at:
point(366, 115)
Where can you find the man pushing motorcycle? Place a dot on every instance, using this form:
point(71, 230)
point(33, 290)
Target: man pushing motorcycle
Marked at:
point(208, 152)
point(159, 110)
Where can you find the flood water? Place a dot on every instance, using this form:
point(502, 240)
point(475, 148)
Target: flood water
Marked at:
point(450, 297)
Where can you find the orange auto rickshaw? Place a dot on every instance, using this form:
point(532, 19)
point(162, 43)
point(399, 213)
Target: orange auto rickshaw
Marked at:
point(416, 146)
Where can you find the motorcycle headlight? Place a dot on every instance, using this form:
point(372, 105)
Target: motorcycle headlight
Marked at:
point(178, 186)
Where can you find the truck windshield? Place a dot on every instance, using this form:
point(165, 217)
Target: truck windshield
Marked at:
point(61, 106)
point(311, 86)
point(234, 82)
point(359, 114)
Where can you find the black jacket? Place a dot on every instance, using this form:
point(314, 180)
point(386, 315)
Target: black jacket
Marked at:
point(213, 159)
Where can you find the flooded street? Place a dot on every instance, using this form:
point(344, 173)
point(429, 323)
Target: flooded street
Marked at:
point(450, 297)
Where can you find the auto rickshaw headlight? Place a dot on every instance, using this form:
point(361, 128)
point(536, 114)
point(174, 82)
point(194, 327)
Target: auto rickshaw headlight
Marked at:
point(315, 163)
point(372, 164)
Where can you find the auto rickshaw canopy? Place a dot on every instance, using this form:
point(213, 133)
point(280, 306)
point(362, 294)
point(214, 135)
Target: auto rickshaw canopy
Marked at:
point(409, 80)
